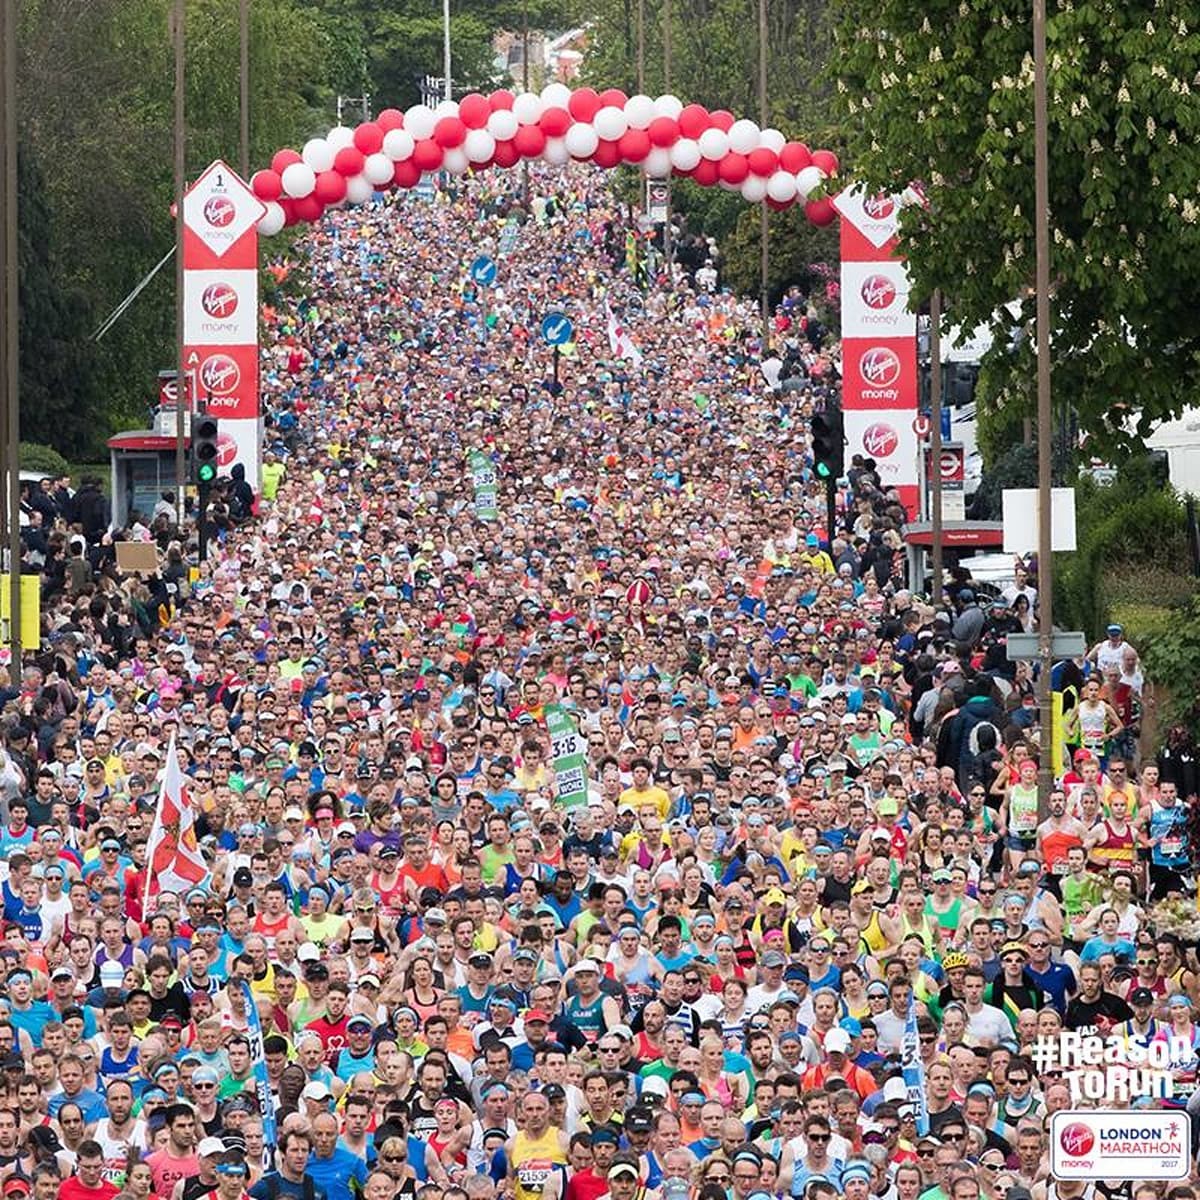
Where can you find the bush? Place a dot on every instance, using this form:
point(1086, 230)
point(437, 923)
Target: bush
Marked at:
point(1171, 659)
point(33, 456)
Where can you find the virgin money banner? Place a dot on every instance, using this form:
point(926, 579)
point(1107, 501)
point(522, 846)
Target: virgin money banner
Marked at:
point(887, 436)
point(879, 342)
point(220, 310)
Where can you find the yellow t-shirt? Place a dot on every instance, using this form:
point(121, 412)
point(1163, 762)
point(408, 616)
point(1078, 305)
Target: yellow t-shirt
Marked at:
point(634, 798)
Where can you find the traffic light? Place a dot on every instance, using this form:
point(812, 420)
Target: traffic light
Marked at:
point(828, 442)
point(204, 449)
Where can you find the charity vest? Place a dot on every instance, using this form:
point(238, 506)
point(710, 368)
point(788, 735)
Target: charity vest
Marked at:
point(533, 1161)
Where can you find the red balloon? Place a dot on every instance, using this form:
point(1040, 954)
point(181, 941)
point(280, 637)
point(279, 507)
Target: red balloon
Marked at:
point(763, 162)
point(795, 157)
point(368, 137)
point(284, 159)
point(289, 210)
point(827, 161)
point(427, 154)
point(694, 120)
point(663, 131)
point(706, 173)
point(266, 185)
point(331, 187)
point(607, 154)
point(406, 174)
point(348, 162)
point(529, 141)
point(555, 122)
point(634, 145)
point(501, 99)
point(613, 97)
point(449, 132)
point(473, 110)
point(722, 120)
point(389, 119)
point(584, 104)
point(779, 205)
point(820, 212)
point(733, 168)
point(309, 208)
point(506, 154)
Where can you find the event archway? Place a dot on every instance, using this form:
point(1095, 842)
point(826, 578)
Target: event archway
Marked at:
point(661, 136)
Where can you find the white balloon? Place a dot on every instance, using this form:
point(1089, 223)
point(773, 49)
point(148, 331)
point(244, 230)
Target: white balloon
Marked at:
point(272, 221)
point(318, 154)
point(714, 144)
point(419, 121)
point(610, 122)
point(754, 189)
point(685, 154)
point(299, 179)
point(668, 106)
point(782, 186)
point(378, 169)
point(502, 125)
point(446, 108)
point(527, 108)
point(581, 140)
point(455, 161)
point(729, 187)
point(556, 95)
point(556, 152)
point(339, 137)
point(479, 145)
point(808, 179)
point(743, 136)
point(772, 139)
point(398, 144)
point(639, 112)
point(358, 190)
point(657, 164)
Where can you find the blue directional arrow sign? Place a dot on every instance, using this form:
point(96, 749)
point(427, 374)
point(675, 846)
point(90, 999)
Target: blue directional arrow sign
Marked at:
point(483, 271)
point(557, 329)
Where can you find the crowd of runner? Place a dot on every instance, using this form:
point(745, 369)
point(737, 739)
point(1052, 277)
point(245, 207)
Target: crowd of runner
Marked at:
point(799, 937)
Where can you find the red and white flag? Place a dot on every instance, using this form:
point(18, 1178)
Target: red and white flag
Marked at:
point(173, 860)
point(619, 341)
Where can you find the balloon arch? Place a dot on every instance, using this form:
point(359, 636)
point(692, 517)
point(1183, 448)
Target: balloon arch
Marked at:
point(662, 136)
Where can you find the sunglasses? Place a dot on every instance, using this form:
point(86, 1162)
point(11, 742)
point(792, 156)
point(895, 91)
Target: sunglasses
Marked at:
point(818, 1137)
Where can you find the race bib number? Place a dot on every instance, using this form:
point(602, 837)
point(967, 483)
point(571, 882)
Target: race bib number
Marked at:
point(533, 1174)
point(1171, 847)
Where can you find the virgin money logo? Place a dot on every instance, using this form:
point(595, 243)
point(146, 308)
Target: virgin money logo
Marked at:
point(220, 301)
point(219, 211)
point(880, 207)
point(878, 292)
point(879, 367)
point(226, 450)
point(1076, 1139)
point(880, 440)
point(219, 375)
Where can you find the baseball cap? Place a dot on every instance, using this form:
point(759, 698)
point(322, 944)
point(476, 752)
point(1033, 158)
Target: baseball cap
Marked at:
point(837, 1041)
point(537, 1014)
point(773, 958)
point(774, 896)
point(210, 1145)
point(622, 1168)
point(1141, 995)
point(316, 1091)
point(359, 1021)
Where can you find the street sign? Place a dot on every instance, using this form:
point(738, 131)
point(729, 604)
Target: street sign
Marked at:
point(1020, 646)
point(922, 425)
point(483, 271)
point(557, 329)
point(219, 209)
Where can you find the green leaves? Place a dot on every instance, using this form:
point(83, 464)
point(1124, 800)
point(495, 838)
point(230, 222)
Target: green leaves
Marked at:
point(951, 105)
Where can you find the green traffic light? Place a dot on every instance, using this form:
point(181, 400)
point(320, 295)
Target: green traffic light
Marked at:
point(823, 470)
point(206, 473)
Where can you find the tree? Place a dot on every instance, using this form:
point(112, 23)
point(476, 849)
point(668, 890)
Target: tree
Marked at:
point(942, 93)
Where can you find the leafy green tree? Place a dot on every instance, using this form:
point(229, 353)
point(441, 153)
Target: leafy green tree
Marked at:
point(942, 93)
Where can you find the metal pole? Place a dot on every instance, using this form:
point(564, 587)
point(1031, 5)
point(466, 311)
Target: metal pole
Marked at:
point(446, 46)
point(244, 86)
point(641, 46)
point(525, 87)
point(935, 443)
point(666, 45)
point(5, 312)
point(1041, 219)
point(765, 213)
point(181, 396)
point(12, 362)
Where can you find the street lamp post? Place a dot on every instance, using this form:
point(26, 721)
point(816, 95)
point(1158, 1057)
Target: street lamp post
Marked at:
point(1041, 227)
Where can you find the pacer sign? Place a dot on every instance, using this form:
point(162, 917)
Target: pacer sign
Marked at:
point(1119, 1144)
